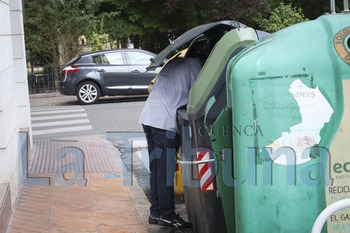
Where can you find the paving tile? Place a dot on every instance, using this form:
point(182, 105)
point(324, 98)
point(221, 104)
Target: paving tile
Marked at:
point(103, 196)
point(26, 231)
point(95, 156)
point(99, 182)
point(33, 213)
point(74, 226)
point(123, 229)
point(66, 221)
point(60, 230)
point(73, 210)
point(126, 218)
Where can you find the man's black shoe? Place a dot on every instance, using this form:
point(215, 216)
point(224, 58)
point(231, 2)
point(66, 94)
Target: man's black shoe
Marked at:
point(153, 219)
point(174, 221)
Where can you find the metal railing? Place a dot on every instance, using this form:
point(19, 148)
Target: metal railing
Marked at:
point(41, 82)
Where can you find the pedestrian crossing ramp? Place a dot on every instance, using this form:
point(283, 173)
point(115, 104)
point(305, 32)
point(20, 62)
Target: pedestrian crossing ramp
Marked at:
point(59, 120)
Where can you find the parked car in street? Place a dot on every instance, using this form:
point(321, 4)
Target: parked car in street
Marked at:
point(107, 73)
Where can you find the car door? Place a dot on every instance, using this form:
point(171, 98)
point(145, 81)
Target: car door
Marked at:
point(138, 61)
point(113, 71)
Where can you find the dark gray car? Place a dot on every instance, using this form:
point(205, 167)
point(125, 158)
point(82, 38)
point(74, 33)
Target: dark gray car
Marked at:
point(107, 73)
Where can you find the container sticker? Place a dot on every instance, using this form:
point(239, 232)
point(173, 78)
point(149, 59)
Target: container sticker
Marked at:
point(315, 111)
point(342, 43)
point(339, 222)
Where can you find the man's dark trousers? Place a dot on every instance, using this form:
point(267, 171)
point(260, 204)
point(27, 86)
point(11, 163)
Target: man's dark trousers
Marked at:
point(162, 147)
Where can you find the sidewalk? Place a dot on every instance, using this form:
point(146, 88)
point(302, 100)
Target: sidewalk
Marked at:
point(104, 204)
point(53, 98)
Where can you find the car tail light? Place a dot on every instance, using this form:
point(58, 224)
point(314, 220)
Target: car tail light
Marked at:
point(70, 69)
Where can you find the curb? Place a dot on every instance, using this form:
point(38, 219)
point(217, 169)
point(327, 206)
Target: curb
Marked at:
point(45, 95)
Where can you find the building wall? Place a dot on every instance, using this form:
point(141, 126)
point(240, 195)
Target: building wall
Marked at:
point(20, 67)
point(14, 97)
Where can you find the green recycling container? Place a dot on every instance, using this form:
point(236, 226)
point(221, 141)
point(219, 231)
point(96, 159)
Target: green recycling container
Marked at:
point(207, 99)
point(284, 107)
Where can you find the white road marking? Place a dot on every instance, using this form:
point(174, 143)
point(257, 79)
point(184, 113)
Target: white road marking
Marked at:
point(42, 118)
point(62, 130)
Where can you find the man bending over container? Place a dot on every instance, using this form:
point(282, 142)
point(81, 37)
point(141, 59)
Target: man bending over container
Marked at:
point(158, 118)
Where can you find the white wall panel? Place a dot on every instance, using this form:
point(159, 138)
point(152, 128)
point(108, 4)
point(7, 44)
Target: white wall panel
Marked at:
point(17, 46)
point(20, 71)
point(6, 57)
point(15, 5)
point(8, 124)
point(16, 22)
point(6, 87)
point(5, 28)
point(3, 167)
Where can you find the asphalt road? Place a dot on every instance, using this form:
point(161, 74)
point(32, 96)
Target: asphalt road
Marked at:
point(116, 115)
point(69, 119)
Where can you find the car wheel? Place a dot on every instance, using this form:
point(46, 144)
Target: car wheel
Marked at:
point(88, 93)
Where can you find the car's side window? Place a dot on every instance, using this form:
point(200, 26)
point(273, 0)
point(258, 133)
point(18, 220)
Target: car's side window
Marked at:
point(113, 58)
point(139, 58)
point(97, 59)
point(105, 59)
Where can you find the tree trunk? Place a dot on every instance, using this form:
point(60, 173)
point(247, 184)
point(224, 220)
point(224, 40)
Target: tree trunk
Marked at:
point(124, 43)
point(55, 59)
point(136, 40)
point(56, 68)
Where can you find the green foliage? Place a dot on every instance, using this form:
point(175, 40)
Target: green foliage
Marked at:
point(282, 16)
point(98, 41)
point(52, 29)
point(151, 24)
point(50, 23)
point(241, 11)
point(116, 23)
point(312, 9)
